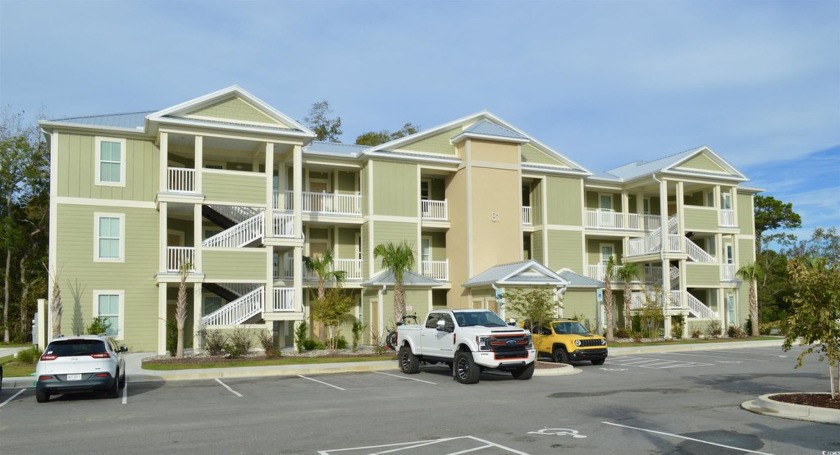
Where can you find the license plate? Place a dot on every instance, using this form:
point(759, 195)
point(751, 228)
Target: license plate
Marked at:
point(74, 377)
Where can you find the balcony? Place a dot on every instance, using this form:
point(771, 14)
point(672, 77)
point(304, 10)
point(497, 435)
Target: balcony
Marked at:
point(176, 256)
point(438, 270)
point(526, 216)
point(727, 272)
point(727, 218)
point(598, 271)
point(433, 210)
point(284, 299)
point(352, 269)
point(180, 180)
point(322, 203)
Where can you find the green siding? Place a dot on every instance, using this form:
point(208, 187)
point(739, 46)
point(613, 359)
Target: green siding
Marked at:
point(135, 276)
point(243, 264)
point(564, 201)
point(366, 251)
point(395, 189)
point(746, 252)
point(363, 185)
point(231, 186)
point(347, 182)
point(746, 216)
point(701, 219)
point(346, 243)
point(700, 274)
point(565, 249)
point(236, 109)
point(581, 302)
point(537, 247)
point(593, 250)
point(701, 162)
point(695, 198)
point(389, 231)
point(438, 240)
point(531, 154)
point(435, 144)
point(77, 161)
point(418, 300)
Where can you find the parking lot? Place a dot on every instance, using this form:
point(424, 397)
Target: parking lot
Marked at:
point(645, 403)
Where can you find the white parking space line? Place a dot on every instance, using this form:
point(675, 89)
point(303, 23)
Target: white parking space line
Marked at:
point(655, 364)
point(405, 377)
point(125, 393)
point(229, 389)
point(320, 382)
point(686, 438)
point(722, 357)
point(12, 397)
point(410, 447)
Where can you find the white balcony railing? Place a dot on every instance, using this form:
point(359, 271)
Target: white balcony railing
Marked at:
point(651, 222)
point(284, 299)
point(598, 271)
point(352, 268)
point(181, 180)
point(327, 203)
point(239, 235)
point(238, 311)
point(526, 216)
point(177, 255)
point(605, 219)
point(698, 254)
point(727, 218)
point(284, 225)
point(438, 270)
point(434, 210)
point(727, 272)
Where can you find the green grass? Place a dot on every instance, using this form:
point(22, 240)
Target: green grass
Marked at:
point(193, 364)
point(14, 369)
point(631, 344)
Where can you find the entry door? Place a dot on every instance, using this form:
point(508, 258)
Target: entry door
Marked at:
point(607, 252)
point(730, 309)
point(605, 208)
point(319, 201)
point(317, 249)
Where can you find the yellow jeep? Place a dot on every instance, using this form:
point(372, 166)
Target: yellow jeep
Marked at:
point(568, 340)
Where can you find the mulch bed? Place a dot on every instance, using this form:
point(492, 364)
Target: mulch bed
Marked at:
point(202, 359)
point(821, 400)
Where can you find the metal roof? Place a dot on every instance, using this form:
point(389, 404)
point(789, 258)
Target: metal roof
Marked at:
point(335, 148)
point(485, 127)
point(524, 272)
point(579, 281)
point(130, 120)
point(639, 168)
point(410, 280)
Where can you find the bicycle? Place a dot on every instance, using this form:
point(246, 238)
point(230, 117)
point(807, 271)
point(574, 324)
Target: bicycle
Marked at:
point(391, 338)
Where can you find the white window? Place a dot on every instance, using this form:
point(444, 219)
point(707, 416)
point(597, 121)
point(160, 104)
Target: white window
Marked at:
point(425, 189)
point(646, 206)
point(726, 200)
point(108, 305)
point(110, 161)
point(607, 252)
point(730, 310)
point(605, 202)
point(109, 232)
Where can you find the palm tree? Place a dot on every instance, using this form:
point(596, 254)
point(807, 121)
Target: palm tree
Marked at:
point(398, 258)
point(752, 273)
point(627, 274)
point(608, 297)
point(322, 267)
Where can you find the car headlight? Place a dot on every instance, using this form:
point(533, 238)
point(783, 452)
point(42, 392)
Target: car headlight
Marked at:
point(603, 342)
point(483, 343)
point(577, 342)
point(530, 341)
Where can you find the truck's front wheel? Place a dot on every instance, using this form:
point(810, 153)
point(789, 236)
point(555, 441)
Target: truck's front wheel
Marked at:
point(525, 372)
point(466, 371)
point(409, 363)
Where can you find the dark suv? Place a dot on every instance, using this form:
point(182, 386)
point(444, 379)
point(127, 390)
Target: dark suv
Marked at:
point(77, 364)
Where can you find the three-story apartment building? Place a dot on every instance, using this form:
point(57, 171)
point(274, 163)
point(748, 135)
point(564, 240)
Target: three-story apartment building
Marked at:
point(236, 194)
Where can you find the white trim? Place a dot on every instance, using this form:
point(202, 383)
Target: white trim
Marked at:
point(120, 317)
point(96, 217)
point(114, 203)
point(97, 160)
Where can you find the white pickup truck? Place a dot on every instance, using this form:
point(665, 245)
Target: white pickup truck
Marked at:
point(469, 341)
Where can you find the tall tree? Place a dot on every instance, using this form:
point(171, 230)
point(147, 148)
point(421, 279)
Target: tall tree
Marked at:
point(372, 138)
point(751, 273)
point(323, 269)
point(627, 273)
point(398, 258)
point(324, 127)
point(772, 214)
point(24, 180)
point(608, 298)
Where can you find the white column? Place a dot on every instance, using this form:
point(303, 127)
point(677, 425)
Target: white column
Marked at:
point(268, 295)
point(680, 215)
point(297, 280)
point(625, 208)
point(198, 234)
point(268, 230)
point(199, 164)
point(198, 310)
point(164, 162)
point(716, 198)
point(297, 188)
point(162, 237)
point(161, 349)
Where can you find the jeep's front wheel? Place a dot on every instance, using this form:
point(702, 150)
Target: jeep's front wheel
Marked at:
point(559, 355)
point(409, 363)
point(466, 371)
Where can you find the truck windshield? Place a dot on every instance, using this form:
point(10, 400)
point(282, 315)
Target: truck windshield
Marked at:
point(573, 328)
point(479, 318)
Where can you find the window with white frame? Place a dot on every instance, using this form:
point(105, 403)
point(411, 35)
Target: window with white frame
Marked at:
point(108, 305)
point(109, 235)
point(110, 161)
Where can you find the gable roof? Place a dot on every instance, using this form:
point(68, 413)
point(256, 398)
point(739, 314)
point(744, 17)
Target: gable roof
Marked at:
point(410, 280)
point(577, 280)
point(523, 273)
point(199, 112)
point(671, 165)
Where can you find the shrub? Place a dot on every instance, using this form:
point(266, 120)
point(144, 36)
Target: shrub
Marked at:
point(339, 342)
point(735, 332)
point(621, 332)
point(28, 356)
point(171, 336)
point(696, 333)
point(239, 342)
point(637, 337)
point(311, 345)
point(378, 346)
point(215, 341)
point(677, 326)
point(98, 326)
point(267, 342)
point(300, 336)
point(358, 329)
point(714, 330)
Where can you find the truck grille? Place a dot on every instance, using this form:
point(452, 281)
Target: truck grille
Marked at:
point(587, 343)
point(509, 346)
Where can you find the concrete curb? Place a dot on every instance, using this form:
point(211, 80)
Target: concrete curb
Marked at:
point(695, 347)
point(765, 406)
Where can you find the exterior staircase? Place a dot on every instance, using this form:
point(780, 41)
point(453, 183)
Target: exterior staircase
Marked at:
point(238, 311)
point(240, 235)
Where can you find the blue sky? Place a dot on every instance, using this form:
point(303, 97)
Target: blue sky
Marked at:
point(603, 82)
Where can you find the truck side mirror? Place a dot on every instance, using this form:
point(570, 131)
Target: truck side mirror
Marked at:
point(441, 325)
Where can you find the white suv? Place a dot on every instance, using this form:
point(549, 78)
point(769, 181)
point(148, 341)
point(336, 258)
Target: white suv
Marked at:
point(82, 363)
